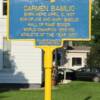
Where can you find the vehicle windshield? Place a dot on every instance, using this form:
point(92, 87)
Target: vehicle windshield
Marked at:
point(89, 69)
point(95, 70)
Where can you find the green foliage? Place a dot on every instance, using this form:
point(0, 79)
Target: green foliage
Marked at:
point(94, 56)
point(96, 17)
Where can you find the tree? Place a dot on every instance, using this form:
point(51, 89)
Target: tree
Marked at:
point(94, 56)
point(96, 20)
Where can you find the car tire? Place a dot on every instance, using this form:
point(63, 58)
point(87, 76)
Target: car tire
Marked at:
point(96, 79)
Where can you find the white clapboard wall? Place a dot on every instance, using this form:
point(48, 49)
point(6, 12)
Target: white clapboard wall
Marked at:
point(25, 59)
point(26, 64)
point(2, 32)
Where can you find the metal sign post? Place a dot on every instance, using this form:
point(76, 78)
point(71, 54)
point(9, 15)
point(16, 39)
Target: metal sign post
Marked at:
point(48, 68)
point(49, 23)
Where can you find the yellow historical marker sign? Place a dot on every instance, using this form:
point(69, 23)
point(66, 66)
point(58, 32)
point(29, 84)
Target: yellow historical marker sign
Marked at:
point(49, 23)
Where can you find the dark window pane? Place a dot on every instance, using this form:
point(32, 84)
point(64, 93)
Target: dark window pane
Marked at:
point(76, 61)
point(4, 8)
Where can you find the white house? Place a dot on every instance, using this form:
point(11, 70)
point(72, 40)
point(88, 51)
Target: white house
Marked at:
point(75, 57)
point(20, 61)
point(72, 57)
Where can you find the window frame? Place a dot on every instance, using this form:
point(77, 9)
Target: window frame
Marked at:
point(76, 63)
point(4, 13)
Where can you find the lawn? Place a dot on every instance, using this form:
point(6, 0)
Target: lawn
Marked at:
point(72, 91)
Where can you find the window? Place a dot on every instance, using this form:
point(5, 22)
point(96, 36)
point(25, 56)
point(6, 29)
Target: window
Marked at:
point(86, 69)
point(81, 70)
point(4, 7)
point(76, 61)
point(6, 54)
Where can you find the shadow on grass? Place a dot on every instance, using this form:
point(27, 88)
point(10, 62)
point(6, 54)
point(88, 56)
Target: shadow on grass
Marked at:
point(7, 89)
point(12, 87)
point(88, 98)
point(2, 97)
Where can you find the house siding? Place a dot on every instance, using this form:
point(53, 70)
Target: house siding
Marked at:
point(26, 60)
point(26, 65)
point(78, 54)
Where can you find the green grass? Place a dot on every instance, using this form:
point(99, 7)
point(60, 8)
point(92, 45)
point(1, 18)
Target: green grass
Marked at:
point(73, 91)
